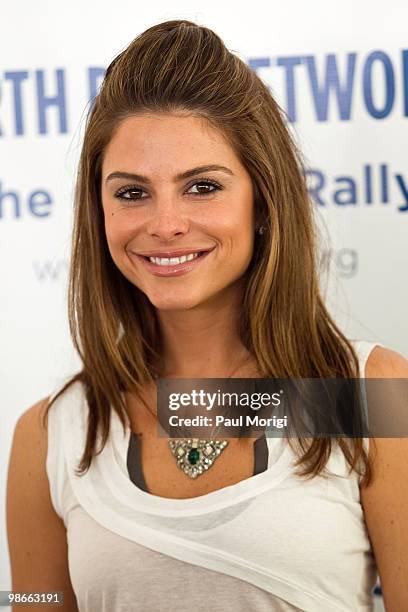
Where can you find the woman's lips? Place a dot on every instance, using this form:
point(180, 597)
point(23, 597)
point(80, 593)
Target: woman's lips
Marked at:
point(172, 270)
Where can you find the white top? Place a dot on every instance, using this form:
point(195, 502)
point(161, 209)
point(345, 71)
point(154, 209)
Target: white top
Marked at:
point(270, 542)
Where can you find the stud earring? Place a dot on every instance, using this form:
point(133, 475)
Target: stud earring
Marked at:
point(262, 229)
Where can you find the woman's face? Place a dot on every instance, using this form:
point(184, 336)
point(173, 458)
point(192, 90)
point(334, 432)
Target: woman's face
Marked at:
point(162, 212)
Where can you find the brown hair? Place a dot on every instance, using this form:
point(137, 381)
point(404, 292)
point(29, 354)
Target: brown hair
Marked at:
point(181, 67)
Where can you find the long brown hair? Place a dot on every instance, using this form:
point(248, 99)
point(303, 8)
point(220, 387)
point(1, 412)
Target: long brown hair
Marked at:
point(181, 67)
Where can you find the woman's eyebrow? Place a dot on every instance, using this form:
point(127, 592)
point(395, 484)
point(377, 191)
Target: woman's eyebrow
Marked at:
point(178, 177)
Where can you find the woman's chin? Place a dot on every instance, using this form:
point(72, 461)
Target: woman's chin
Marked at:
point(174, 303)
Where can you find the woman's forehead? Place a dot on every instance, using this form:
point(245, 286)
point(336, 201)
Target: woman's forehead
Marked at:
point(167, 142)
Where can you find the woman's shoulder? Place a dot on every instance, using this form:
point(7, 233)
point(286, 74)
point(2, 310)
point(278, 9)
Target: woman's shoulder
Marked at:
point(38, 427)
point(29, 451)
point(31, 431)
point(385, 500)
point(379, 355)
point(386, 363)
point(42, 435)
point(32, 423)
point(380, 361)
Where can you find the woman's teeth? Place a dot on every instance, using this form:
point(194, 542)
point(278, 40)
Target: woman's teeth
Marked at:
point(173, 260)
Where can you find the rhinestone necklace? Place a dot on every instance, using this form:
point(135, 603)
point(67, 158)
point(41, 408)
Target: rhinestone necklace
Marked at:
point(194, 455)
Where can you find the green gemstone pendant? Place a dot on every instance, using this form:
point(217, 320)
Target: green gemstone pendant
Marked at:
point(196, 456)
point(193, 456)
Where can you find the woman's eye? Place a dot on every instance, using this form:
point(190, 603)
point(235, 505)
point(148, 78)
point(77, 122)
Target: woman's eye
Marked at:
point(205, 187)
point(209, 186)
point(128, 193)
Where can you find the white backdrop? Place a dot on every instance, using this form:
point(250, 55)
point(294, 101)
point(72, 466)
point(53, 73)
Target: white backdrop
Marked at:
point(340, 70)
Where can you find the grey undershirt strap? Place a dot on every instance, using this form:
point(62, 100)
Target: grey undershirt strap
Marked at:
point(135, 470)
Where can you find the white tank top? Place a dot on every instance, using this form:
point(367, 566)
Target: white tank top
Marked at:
point(270, 542)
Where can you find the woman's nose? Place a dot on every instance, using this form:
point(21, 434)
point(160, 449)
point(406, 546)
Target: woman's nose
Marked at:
point(167, 221)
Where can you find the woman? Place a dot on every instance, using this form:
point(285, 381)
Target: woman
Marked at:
point(186, 152)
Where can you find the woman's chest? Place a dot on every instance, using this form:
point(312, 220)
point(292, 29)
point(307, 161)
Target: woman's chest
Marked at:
point(289, 540)
point(164, 469)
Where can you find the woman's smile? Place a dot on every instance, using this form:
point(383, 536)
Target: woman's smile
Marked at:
point(169, 266)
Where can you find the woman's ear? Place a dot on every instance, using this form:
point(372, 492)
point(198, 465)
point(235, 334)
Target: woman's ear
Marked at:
point(259, 212)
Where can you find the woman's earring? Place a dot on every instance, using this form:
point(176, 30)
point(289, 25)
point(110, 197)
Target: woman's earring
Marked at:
point(261, 229)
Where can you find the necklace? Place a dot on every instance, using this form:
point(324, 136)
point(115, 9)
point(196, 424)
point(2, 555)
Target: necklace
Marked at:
point(195, 456)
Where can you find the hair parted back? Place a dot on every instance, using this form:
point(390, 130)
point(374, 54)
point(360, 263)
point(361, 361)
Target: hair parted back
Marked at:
point(181, 67)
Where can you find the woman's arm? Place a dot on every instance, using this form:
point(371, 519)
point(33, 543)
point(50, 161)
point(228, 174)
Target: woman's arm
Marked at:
point(385, 501)
point(36, 534)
